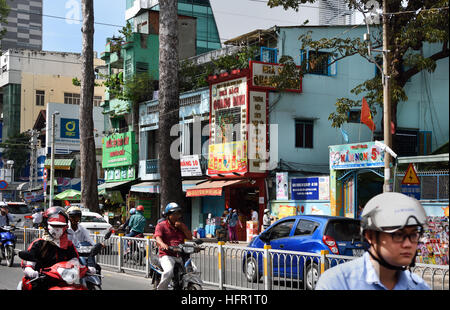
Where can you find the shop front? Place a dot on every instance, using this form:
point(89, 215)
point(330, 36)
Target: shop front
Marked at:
point(237, 153)
point(119, 160)
point(355, 176)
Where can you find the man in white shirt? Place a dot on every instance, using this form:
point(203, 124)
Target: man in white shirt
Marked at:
point(37, 217)
point(77, 233)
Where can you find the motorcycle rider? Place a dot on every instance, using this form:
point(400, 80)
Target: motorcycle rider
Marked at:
point(126, 226)
point(170, 232)
point(37, 217)
point(52, 248)
point(137, 222)
point(392, 223)
point(77, 233)
point(5, 217)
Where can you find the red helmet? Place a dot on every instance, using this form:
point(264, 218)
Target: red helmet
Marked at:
point(55, 216)
point(140, 208)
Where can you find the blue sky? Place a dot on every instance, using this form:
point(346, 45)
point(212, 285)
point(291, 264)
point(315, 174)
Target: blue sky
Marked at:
point(62, 33)
point(233, 18)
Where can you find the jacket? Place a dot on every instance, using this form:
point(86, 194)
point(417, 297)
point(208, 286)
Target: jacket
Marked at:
point(137, 222)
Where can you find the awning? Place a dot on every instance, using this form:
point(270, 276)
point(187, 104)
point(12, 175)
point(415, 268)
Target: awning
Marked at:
point(111, 185)
point(188, 184)
point(146, 187)
point(60, 164)
point(211, 188)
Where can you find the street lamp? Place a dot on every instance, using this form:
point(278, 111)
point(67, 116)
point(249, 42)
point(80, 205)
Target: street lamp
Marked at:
point(52, 165)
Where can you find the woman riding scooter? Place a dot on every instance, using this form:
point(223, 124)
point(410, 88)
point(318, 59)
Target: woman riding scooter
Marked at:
point(52, 248)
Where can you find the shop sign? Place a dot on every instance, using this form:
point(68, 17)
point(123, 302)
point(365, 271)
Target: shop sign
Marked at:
point(316, 188)
point(204, 192)
point(228, 145)
point(70, 128)
point(190, 166)
point(120, 174)
point(119, 150)
point(282, 186)
point(262, 74)
point(356, 156)
point(257, 134)
point(412, 190)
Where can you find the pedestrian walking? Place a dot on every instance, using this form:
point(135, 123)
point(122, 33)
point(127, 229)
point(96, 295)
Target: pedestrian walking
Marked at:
point(233, 221)
point(392, 223)
point(267, 219)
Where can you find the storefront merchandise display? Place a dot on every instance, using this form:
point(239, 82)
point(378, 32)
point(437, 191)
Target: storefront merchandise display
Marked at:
point(433, 247)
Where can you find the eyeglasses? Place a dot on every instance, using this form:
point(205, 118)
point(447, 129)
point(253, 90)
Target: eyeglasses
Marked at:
point(400, 237)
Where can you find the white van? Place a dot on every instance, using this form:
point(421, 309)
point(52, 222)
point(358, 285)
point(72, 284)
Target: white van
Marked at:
point(21, 213)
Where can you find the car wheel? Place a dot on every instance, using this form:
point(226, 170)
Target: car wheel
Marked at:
point(311, 276)
point(251, 270)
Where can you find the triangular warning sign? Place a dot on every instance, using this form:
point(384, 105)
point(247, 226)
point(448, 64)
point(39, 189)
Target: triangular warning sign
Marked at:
point(411, 176)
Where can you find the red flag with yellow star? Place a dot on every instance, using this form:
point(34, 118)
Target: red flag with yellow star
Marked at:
point(366, 116)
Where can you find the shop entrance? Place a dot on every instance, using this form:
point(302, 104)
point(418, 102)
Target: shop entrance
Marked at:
point(243, 199)
point(358, 186)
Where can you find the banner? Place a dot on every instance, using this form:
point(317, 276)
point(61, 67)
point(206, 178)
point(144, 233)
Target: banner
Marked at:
point(358, 155)
point(228, 158)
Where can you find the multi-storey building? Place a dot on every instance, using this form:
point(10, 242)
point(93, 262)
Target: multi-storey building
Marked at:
point(24, 27)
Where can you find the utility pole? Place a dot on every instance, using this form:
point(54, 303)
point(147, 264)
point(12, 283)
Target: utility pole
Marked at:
point(386, 100)
point(52, 165)
point(33, 157)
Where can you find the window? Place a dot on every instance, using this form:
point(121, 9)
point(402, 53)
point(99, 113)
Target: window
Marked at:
point(281, 230)
point(305, 227)
point(70, 98)
point(354, 116)
point(317, 62)
point(40, 97)
point(304, 134)
point(97, 101)
point(343, 230)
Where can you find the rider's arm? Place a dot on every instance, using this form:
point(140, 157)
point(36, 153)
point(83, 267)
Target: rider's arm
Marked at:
point(182, 227)
point(161, 243)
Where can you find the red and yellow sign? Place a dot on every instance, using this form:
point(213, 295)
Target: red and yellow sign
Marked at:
point(410, 177)
point(204, 192)
point(228, 157)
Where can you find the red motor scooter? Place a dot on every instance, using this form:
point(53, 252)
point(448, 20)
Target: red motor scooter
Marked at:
point(64, 275)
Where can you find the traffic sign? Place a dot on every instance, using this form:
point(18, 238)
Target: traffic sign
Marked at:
point(45, 174)
point(410, 177)
point(3, 184)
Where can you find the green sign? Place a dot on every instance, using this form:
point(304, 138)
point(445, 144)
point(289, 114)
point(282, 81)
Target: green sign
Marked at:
point(119, 150)
point(120, 174)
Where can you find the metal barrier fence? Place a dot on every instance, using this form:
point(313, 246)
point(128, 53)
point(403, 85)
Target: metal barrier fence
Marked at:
point(234, 266)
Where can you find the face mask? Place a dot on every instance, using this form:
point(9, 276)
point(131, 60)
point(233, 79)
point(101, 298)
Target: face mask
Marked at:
point(55, 232)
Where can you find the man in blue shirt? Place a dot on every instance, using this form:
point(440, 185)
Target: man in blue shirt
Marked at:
point(392, 223)
point(137, 222)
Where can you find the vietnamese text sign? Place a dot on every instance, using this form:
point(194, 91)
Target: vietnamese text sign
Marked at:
point(119, 150)
point(305, 188)
point(190, 166)
point(228, 157)
point(262, 76)
point(357, 155)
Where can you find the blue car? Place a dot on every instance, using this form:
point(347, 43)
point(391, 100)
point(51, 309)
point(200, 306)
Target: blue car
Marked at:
point(303, 233)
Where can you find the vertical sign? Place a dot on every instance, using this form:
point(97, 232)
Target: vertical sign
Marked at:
point(257, 134)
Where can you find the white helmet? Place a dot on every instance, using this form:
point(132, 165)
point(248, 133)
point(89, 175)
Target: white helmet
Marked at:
point(389, 212)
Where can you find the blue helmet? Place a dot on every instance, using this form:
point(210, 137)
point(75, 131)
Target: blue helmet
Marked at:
point(171, 208)
point(132, 211)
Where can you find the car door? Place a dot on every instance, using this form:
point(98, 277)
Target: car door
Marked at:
point(302, 241)
point(279, 239)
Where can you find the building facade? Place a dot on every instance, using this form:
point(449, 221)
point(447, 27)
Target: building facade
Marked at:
point(24, 27)
point(30, 79)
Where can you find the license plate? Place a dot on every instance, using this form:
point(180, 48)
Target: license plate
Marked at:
point(358, 252)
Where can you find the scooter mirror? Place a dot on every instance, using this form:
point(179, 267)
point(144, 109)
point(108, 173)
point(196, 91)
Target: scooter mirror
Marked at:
point(108, 234)
point(96, 249)
point(198, 241)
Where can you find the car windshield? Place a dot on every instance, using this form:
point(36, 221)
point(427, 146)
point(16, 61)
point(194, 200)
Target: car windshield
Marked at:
point(92, 219)
point(343, 230)
point(19, 209)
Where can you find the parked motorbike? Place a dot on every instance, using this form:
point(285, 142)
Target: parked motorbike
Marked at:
point(7, 244)
point(87, 258)
point(186, 276)
point(66, 275)
point(135, 252)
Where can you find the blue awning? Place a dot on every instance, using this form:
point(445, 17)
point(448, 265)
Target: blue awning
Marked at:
point(146, 187)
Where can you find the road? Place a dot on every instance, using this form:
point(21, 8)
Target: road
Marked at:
point(10, 276)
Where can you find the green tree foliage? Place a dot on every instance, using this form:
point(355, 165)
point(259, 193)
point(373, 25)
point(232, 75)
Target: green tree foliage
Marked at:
point(4, 12)
point(411, 24)
point(17, 148)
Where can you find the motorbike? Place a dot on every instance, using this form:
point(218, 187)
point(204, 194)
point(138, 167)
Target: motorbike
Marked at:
point(186, 275)
point(66, 275)
point(7, 244)
point(135, 252)
point(87, 257)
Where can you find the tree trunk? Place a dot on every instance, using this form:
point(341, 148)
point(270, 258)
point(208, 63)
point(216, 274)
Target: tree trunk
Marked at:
point(89, 192)
point(171, 188)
